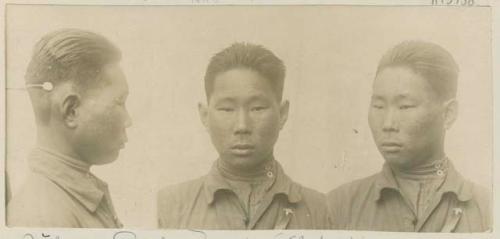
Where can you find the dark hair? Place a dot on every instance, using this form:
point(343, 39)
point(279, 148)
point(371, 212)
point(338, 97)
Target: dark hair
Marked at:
point(71, 55)
point(250, 56)
point(429, 60)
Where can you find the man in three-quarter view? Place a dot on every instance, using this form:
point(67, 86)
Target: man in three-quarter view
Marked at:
point(78, 92)
point(418, 190)
point(246, 187)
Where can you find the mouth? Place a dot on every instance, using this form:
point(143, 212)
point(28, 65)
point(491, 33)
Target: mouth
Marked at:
point(123, 141)
point(242, 149)
point(391, 147)
point(122, 145)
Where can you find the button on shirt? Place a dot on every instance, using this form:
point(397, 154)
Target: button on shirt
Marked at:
point(376, 203)
point(61, 192)
point(210, 202)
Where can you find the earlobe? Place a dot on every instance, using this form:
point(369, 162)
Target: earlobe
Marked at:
point(284, 108)
point(70, 109)
point(203, 112)
point(451, 113)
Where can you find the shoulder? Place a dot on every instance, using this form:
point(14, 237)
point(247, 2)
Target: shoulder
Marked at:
point(343, 199)
point(353, 189)
point(312, 196)
point(312, 207)
point(180, 191)
point(476, 200)
point(482, 197)
point(41, 203)
point(172, 200)
point(311, 199)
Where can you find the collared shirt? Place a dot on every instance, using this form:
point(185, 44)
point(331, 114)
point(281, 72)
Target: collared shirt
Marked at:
point(61, 192)
point(376, 203)
point(251, 191)
point(210, 202)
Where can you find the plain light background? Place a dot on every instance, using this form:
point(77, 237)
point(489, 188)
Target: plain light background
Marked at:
point(331, 54)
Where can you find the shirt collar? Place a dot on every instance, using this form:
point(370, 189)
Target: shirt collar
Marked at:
point(72, 175)
point(456, 183)
point(282, 185)
point(453, 183)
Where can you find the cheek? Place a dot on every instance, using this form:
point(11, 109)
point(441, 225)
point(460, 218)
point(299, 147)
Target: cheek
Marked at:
point(103, 122)
point(375, 122)
point(420, 126)
point(219, 128)
point(267, 125)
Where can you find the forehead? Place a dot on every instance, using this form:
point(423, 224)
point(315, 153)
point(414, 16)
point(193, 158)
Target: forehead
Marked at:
point(241, 83)
point(401, 81)
point(113, 73)
point(114, 79)
point(112, 82)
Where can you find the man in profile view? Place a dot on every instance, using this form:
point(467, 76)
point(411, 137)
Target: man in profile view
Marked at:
point(246, 187)
point(78, 92)
point(418, 190)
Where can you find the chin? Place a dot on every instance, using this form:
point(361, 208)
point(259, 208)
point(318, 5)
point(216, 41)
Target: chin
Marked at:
point(397, 161)
point(244, 162)
point(105, 159)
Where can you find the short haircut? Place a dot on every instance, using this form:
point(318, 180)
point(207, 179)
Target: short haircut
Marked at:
point(247, 56)
point(71, 55)
point(428, 60)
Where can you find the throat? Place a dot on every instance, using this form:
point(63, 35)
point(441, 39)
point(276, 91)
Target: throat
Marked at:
point(258, 173)
point(428, 171)
point(419, 184)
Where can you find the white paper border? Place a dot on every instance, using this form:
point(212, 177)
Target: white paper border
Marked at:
point(35, 233)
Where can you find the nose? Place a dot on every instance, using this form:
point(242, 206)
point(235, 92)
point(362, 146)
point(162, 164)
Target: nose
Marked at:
point(128, 120)
point(242, 123)
point(390, 123)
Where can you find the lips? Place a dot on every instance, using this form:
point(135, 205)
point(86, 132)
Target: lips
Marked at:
point(122, 143)
point(391, 147)
point(242, 149)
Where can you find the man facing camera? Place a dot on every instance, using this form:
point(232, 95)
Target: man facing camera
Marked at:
point(78, 92)
point(246, 187)
point(418, 190)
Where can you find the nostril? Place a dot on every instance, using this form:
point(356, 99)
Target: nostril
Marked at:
point(242, 131)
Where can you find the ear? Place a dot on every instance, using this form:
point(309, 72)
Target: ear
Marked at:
point(450, 112)
point(284, 107)
point(70, 108)
point(203, 112)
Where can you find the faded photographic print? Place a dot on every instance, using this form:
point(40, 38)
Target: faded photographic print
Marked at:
point(249, 117)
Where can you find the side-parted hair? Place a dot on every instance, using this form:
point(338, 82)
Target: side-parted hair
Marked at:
point(428, 60)
point(247, 56)
point(71, 55)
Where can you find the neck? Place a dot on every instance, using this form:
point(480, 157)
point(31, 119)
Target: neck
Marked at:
point(47, 139)
point(430, 169)
point(67, 160)
point(254, 174)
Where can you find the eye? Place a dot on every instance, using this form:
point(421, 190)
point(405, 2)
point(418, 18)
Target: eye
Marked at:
point(405, 107)
point(225, 109)
point(258, 108)
point(120, 102)
point(377, 106)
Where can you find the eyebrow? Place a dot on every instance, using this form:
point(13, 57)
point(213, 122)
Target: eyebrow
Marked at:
point(400, 96)
point(258, 97)
point(225, 99)
point(377, 97)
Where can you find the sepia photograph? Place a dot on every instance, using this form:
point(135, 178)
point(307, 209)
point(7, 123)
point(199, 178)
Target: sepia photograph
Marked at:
point(326, 118)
